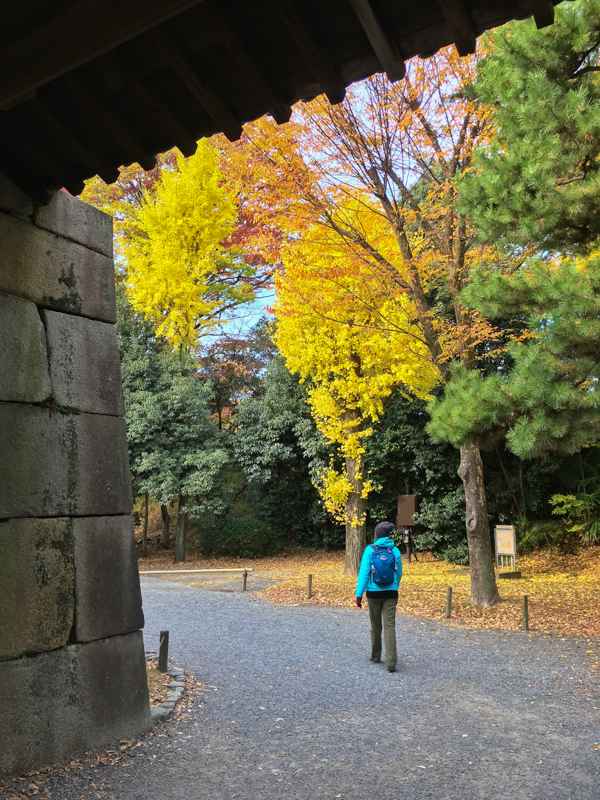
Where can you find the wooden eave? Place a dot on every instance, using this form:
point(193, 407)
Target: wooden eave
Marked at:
point(90, 85)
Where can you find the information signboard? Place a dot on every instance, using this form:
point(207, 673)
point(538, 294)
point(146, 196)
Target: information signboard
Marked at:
point(505, 538)
point(407, 505)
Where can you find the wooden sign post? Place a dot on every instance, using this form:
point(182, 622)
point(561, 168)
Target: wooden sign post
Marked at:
point(505, 539)
point(407, 507)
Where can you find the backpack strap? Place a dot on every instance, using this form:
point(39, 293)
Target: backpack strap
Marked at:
point(374, 549)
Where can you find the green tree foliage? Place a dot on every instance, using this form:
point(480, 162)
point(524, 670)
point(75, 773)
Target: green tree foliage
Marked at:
point(549, 400)
point(400, 451)
point(537, 183)
point(175, 452)
point(282, 452)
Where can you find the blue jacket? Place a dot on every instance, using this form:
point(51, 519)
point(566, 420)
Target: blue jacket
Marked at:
point(365, 582)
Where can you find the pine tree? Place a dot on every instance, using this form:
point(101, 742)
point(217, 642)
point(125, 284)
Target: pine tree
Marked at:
point(537, 183)
point(549, 400)
point(536, 189)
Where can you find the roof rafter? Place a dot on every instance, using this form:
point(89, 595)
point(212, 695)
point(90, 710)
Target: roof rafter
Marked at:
point(460, 26)
point(98, 165)
point(385, 48)
point(278, 108)
point(201, 89)
point(108, 120)
point(58, 46)
point(150, 99)
point(315, 55)
point(543, 12)
point(39, 191)
point(36, 154)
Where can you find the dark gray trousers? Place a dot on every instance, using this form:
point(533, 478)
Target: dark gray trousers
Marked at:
point(383, 611)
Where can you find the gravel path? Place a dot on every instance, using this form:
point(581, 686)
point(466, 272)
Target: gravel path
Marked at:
point(293, 709)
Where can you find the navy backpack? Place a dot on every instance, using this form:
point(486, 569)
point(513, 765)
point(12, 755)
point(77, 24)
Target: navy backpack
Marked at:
point(383, 566)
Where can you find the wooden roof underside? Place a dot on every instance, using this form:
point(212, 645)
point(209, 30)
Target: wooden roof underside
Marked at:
point(89, 85)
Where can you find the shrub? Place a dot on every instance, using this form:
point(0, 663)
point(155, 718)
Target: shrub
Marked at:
point(542, 536)
point(581, 513)
point(238, 536)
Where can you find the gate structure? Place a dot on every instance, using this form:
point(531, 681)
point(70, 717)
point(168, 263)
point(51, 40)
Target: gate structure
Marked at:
point(72, 669)
point(84, 88)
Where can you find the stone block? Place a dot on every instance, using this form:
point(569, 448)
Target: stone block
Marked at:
point(36, 585)
point(54, 464)
point(54, 272)
point(108, 600)
point(160, 714)
point(13, 199)
point(60, 704)
point(73, 219)
point(84, 363)
point(113, 673)
point(502, 575)
point(24, 375)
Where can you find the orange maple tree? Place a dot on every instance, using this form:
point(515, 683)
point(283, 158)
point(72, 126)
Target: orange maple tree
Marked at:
point(378, 174)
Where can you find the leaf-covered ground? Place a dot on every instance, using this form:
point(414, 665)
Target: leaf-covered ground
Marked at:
point(157, 684)
point(563, 590)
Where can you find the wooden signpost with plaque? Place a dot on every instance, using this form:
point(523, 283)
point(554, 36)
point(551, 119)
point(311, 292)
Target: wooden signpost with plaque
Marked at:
point(405, 522)
point(505, 540)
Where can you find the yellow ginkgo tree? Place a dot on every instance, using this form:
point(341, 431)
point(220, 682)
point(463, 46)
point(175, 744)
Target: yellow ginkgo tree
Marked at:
point(352, 366)
point(179, 274)
point(178, 243)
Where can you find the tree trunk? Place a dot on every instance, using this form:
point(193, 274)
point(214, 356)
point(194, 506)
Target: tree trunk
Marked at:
point(484, 591)
point(145, 528)
point(165, 535)
point(356, 508)
point(506, 478)
point(523, 502)
point(182, 518)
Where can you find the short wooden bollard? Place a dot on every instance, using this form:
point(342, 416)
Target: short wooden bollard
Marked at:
point(244, 580)
point(163, 652)
point(525, 613)
point(309, 587)
point(449, 603)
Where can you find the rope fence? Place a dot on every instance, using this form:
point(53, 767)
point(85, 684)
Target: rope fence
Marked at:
point(244, 570)
point(448, 608)
point(309, 593)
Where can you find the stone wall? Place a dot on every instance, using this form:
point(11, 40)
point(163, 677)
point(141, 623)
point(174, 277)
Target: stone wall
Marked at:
point(72, 669)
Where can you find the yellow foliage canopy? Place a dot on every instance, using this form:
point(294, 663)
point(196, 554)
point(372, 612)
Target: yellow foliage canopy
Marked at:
point(181, 247)
point(174, 249)
point(354, 365)
point(378, 173)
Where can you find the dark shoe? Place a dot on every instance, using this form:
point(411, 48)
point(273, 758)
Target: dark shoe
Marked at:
point(375, 662)
point(391, 669)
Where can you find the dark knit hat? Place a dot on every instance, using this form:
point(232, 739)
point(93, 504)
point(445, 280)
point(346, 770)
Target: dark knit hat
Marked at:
point(384, 529)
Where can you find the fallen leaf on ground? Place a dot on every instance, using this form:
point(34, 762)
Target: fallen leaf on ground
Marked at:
point(563, 590)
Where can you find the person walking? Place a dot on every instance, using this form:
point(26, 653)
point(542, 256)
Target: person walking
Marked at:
point(380, 574)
